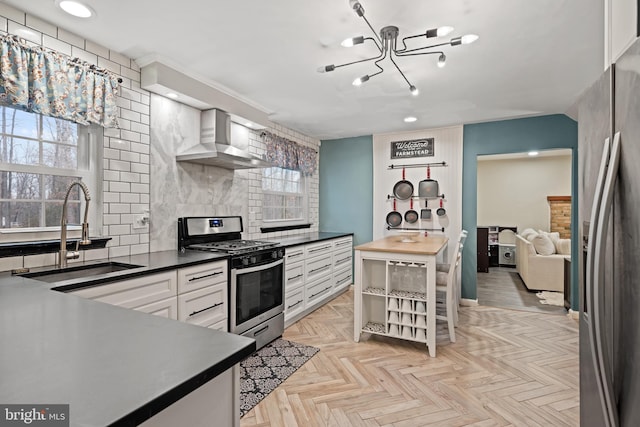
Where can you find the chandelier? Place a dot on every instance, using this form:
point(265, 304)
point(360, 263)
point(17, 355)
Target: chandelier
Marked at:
point(387, 44)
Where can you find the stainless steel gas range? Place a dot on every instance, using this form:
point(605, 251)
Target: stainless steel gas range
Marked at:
point(256, 274)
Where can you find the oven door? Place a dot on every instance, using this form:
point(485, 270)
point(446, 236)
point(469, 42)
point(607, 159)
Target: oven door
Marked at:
point(256, 295)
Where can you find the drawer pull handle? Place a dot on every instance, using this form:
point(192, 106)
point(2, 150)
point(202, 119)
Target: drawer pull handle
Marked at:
point(295, 255)
point(295, 277)
point(320, 249)
point(293, 305)
point(205, 309)
point(345, 280)
point(320, 269)
point(205, 276)
point(259, 331)
point(340, 261)
point(322, 291)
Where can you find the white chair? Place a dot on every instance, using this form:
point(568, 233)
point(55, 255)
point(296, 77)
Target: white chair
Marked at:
point(446, 284)
point(445, 268)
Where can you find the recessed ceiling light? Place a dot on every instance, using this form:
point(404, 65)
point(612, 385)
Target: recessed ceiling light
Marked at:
point(75, 8)
point(410, 119)
point(172, 95)
point(533, 153)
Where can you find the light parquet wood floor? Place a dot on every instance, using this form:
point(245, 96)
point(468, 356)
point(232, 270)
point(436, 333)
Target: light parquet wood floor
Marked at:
point(507, 368)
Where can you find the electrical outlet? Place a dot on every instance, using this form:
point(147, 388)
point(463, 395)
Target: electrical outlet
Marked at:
point(141, 220)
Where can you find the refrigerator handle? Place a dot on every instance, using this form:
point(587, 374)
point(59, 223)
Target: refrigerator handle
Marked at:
point(590, 278)
point(607, 397)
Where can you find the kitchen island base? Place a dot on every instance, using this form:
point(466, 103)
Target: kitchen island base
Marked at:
point(395, 287)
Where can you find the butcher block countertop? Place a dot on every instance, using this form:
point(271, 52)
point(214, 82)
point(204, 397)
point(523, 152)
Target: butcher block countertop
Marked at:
point(406, 244)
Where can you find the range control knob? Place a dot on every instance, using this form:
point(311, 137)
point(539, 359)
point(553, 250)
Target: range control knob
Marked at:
point(245, 261)
point(253, 260)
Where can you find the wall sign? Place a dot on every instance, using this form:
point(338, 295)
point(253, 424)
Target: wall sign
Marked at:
point(413, 148)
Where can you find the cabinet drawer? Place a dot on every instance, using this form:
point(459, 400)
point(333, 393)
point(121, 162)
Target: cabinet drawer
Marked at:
point(343, 243)
point(203, 307)
point(318, 267)
point(294, 302)
point(293, 254)
point(293, 275)
point(342, 279)
point(220, 326)
point(166, 308)
point(318, 290)
point(342, 259)
point(134, 293)
point(200, 276)
point(318, 249)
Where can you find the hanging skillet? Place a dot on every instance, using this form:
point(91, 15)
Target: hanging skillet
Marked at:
point(394, 218)
point(428, 187)
point(426, 212)
point(411, 216)
point(441, 210)
point(403, 189)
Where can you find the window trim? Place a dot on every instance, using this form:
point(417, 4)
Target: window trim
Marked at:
point(90, 147)
point(286, 223)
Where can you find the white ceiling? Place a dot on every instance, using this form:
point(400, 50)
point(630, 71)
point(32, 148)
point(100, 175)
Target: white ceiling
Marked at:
point(532, 58)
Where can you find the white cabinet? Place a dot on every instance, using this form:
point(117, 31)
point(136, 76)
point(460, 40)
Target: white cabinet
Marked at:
point(315, 273)
point(203, 295)
point(196, 294)
point(138, 294)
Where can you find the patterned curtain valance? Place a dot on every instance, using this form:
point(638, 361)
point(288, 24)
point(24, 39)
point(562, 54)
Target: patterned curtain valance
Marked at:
point(42, 81)
point(289, 155)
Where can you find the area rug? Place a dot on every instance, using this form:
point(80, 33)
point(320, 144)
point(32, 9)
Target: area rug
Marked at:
point(267, 368)
point(551, 298)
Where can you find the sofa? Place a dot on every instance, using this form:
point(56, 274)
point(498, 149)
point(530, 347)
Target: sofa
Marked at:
point(540, 260)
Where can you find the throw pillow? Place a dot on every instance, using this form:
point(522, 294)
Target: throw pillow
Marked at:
point(528, 234)
point(555, 236)
point(543, 245)
point(563, 246)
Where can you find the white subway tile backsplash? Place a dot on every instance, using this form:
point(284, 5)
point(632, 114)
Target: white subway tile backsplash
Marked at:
point(123, 103)
point(140, 107)
point(95, 254)
point(120, 59)
point(130, 115)
point(122, 187)
point(118, 165)
point(110, 153)
point(130, 94)
point(132, 239)
point(119, 208)
point(119, 230)
point(124, 124)
point(76, 52)
point(120, 144)
point(41, 260)
point(96, 49)
point(139, 249)
point(12, 13)
point(130, 198)
point(139, 127)
point(57, 45)
point(131, 136)
point(119, 251)
point(140, 188)
point(112, 132)
point(131, 74)
point(140, 148)
point(130, 157)
point(111, 219)
point(144, 178)
point(111, 175)
point(42, 26)
point(10, 263)
point(139, 167)
point(26, 33)
point(129, 176)
point(109, 65)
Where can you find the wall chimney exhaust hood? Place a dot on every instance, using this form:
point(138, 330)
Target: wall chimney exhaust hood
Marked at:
point(215, 149)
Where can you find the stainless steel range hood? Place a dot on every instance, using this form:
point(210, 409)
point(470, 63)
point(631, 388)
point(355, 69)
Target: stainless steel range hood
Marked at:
point(215, 149)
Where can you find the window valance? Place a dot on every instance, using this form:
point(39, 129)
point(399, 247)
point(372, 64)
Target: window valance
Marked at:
point(288, 154)
point(42, 81)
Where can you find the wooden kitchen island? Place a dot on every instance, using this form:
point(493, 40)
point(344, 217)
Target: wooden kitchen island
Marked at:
point(395, 288)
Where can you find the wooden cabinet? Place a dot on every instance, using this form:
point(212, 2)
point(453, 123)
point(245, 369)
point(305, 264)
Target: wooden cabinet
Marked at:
point(314, 273)
point(483, 249)
point(203, 295)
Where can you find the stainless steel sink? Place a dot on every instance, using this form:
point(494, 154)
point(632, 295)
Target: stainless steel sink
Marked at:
point(78, 272)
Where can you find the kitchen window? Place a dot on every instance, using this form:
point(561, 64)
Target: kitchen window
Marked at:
point(39, 157)
point(284, 197)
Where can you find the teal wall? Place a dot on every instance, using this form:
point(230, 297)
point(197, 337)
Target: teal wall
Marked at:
point(513, 136)
point(346, 187)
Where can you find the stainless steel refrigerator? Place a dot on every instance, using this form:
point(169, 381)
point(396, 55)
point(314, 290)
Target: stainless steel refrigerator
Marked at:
point(609, 214)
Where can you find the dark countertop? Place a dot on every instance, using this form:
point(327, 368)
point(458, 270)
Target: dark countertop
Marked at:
point(111, 364)
point(303, 239)
point(154, 262)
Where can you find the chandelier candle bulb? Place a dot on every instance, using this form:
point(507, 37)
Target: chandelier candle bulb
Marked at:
point(442, 60)
point(352, 41)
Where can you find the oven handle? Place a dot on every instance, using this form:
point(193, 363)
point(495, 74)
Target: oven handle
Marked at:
point(258, 268)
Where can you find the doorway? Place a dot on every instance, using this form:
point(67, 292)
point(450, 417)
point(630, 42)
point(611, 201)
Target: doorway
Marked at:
point(513, 192)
